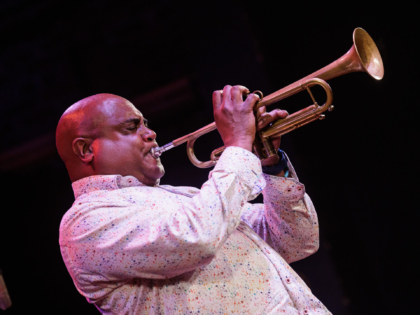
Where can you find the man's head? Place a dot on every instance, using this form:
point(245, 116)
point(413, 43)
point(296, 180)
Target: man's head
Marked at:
point(105, 134)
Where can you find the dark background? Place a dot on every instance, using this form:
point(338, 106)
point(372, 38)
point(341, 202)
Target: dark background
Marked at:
point(167, 57)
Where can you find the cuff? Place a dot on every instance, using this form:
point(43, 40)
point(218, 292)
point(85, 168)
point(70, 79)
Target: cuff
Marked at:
point(280, 166)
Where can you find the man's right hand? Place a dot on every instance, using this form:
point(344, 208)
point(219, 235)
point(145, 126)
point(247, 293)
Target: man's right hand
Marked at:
point(234, 117)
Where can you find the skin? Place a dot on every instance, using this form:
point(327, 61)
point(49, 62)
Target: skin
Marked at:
point(105, 134)
point(235, 119)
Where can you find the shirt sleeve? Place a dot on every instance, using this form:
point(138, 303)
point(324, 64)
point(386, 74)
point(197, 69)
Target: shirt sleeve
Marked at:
point(287, 220)
point(103, 239)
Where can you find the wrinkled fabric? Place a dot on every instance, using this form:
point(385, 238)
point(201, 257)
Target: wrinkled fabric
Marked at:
point(135, 249)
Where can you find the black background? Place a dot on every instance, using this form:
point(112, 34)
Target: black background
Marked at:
point(359, 165)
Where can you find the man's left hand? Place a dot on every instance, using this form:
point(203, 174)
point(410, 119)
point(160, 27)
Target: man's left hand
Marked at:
point(264, 118)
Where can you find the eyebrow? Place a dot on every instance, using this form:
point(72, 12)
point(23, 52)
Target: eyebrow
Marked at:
point(136, 120)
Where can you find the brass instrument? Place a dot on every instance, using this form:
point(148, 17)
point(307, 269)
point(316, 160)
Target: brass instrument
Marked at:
point(362, 56)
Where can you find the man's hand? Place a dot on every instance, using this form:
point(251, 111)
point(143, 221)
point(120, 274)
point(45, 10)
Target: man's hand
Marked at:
point(264, 119)
point(234, 117)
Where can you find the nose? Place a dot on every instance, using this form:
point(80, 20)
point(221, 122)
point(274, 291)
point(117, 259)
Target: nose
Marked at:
point(149, 135)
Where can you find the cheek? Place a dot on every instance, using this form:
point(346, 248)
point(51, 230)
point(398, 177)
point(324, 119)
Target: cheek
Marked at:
point(109, 152)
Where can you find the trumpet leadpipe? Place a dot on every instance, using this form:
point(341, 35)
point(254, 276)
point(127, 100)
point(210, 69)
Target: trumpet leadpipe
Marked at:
point(156, 152)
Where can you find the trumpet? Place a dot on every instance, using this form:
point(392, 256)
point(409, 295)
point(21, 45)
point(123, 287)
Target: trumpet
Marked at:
point(363, 56)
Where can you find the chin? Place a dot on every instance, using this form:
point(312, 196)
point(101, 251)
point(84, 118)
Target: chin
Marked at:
point(158, 172)
point(162, 171)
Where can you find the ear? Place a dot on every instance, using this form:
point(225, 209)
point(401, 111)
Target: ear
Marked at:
point(83, 149)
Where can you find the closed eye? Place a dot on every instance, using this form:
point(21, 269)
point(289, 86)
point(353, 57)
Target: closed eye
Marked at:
point(134, 123)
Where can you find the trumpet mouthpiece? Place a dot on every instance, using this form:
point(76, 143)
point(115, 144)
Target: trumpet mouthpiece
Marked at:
point(157, 152)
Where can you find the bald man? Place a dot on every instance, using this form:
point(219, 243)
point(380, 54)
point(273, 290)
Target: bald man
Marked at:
point(133, 246)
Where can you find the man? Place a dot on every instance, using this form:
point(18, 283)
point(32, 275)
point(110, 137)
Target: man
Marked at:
point(133, 246)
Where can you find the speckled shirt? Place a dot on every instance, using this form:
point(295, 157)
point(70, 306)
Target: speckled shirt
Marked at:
point(135, 249)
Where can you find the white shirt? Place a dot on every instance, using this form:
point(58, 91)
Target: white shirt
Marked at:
point(135, 249)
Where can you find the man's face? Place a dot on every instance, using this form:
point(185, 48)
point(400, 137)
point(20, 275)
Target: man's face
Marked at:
point(124, 142)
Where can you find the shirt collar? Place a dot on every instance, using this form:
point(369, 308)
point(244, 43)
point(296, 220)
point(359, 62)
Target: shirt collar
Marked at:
point(103, 182)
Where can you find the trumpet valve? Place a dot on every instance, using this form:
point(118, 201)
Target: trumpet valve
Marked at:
point(321, 117)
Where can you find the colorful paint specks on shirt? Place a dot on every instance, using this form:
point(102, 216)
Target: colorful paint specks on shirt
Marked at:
point(135, 249)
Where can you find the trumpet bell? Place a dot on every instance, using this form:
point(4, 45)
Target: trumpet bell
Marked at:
point(368, 53)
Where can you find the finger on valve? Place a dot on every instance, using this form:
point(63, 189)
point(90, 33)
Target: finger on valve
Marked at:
point(238, 91)
point(267, 118)
point(250, 102)
point(226, 97)
point(217, 98)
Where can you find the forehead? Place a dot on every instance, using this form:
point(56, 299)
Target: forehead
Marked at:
point(118, 110)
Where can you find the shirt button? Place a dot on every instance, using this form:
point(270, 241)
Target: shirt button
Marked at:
point(287, 280)
point(305, 311)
